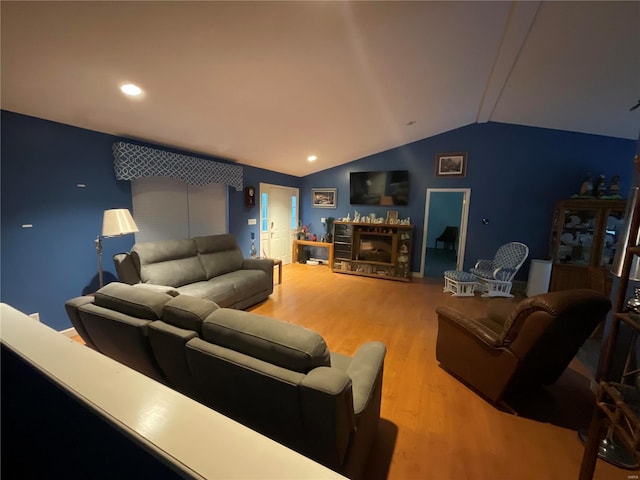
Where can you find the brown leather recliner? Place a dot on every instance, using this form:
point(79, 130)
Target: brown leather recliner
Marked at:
point(530, 346)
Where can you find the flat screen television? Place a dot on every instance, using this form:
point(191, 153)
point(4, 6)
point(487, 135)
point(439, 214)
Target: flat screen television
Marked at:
point(379, 188)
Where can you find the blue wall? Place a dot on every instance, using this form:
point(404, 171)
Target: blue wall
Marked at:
point(515, 173)
point(55, 260)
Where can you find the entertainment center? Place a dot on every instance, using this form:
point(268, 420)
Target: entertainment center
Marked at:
point(381, 250)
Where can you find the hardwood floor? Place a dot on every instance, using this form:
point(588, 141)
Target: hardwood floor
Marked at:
point(433, 426)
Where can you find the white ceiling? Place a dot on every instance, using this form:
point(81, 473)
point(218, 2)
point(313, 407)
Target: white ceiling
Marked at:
point(269, 83)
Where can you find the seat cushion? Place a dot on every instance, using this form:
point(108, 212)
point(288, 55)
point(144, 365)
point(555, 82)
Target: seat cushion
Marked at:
point(283, 344)
point(247, 282)
point(459, 276)
point(135, 302)
point(217, 290)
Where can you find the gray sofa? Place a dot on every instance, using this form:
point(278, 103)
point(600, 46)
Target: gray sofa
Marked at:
point(275, 377)
point(210, 267)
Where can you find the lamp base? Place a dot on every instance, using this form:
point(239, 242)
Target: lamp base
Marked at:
point(612, 452)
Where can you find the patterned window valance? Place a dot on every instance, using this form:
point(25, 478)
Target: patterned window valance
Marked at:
point(135, 161)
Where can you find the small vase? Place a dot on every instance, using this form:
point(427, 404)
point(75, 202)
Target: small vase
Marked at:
point(253, 251)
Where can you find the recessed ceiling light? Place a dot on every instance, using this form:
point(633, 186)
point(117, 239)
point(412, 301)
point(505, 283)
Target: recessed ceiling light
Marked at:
point(131, 89)
point(312, 158)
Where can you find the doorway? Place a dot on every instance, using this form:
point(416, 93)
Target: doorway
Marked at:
point(446, 210)
point(279, 214)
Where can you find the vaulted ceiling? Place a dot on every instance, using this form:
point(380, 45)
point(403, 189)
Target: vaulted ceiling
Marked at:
point(269, 83)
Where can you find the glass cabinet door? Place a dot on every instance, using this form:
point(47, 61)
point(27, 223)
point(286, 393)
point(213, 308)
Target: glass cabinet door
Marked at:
point(577, 239)
point(612, 234)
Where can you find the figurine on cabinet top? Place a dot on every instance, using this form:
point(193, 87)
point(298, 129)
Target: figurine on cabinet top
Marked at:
point(614, 186)
point(600, 187)
point(586, 189)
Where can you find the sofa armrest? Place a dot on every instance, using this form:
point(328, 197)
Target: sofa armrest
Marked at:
point(504, 274)
point(327, 380)
point(365, 371)
point(469, 326)
point(126, 268)
point(474, 353)
point(77, 302)
point(265, 264)
point(326, 393)
point(72, 307)
point(484, 265)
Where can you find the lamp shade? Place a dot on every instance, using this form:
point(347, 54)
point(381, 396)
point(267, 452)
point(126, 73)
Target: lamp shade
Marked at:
point(118, 221)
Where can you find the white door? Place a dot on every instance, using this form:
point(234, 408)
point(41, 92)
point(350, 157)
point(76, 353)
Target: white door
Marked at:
point(279, 209)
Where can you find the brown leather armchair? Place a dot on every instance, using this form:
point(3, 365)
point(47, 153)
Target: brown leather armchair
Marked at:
point(531, 345)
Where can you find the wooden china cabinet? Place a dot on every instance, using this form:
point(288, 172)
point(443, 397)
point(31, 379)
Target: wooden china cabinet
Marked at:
point(584, 236)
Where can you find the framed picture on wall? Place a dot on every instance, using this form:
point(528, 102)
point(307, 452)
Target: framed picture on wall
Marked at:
point(324, 197)
point(451, 164)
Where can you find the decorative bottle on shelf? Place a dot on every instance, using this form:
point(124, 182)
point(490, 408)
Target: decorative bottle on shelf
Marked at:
point(633, 304)
point(253, 250)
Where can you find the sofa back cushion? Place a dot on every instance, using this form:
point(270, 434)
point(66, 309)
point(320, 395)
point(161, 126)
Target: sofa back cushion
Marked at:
point(171, 262)
point(135, 302)
point(219, 254)
point(185, 311)
point(279, 343)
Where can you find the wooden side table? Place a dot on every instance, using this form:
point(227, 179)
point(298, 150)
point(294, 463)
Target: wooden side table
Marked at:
point(277, 262)
point(311, 243)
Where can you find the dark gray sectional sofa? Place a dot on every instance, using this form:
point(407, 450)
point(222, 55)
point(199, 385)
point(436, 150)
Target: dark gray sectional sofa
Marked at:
point(275, 377)
point(210, 267)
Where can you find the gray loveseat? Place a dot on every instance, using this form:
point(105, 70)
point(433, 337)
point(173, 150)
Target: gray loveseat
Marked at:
point(275, 377)
point(210, 267)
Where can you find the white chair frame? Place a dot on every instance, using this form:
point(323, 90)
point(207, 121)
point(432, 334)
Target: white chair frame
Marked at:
point(500, 288)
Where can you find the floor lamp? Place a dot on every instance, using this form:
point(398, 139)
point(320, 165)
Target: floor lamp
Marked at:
point(115, 222)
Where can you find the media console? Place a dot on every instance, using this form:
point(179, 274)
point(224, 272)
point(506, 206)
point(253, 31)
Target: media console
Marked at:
point(380, 250)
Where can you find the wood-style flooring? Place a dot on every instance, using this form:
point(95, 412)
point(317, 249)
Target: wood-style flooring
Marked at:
point(433, 426)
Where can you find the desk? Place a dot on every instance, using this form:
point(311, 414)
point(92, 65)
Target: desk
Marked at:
point(297, 243)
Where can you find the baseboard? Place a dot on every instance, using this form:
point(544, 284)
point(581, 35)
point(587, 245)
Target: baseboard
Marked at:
point(69, 332)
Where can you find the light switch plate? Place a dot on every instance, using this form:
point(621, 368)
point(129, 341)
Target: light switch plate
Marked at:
point(252, 221)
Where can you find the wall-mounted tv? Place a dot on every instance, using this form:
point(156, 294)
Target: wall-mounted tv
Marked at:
point(379, 188)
